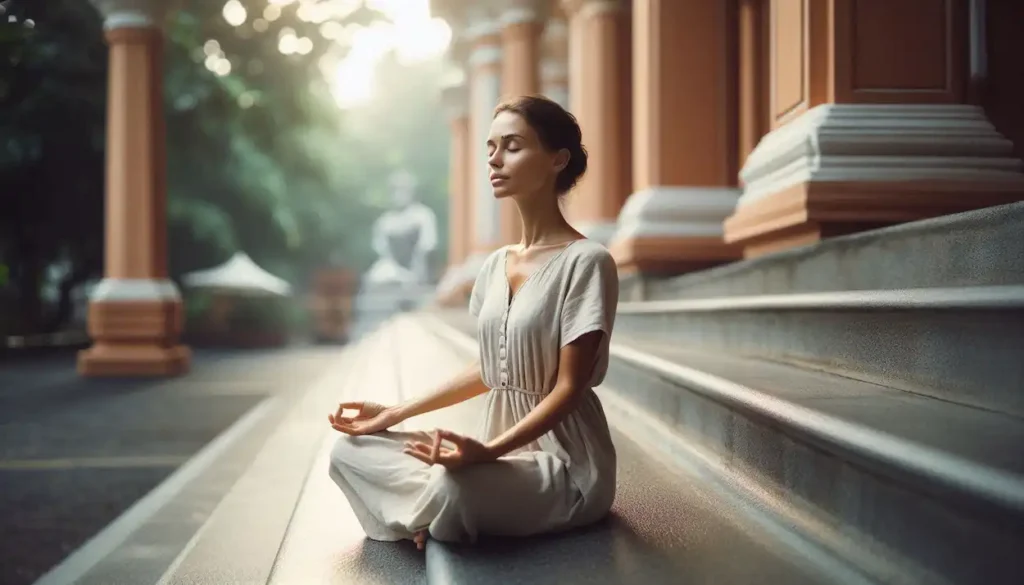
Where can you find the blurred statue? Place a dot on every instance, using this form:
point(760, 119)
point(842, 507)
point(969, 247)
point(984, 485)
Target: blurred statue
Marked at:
point(403, 236)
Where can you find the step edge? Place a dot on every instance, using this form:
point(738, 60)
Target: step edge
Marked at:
point(830, 549)
point(171, 573)
point(951, 471)
point(995, 297)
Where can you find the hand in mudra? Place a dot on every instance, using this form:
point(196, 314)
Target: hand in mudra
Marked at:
point(370, 418)
point(467, 450)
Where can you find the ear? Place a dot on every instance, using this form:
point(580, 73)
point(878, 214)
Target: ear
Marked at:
point(561, 160)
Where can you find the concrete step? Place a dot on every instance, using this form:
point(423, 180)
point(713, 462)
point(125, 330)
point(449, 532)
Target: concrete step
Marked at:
point(957, 344)
point(933, 307)
point(668, 525)
point(976, 248)
point(911, 488)
point(925, 483)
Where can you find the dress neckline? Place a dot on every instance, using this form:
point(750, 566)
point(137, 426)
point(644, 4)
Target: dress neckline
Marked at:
point(510, 296)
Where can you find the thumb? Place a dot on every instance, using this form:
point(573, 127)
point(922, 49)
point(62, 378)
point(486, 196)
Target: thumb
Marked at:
point(455, 438)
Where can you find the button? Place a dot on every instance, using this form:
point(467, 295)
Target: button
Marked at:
point(501, 352)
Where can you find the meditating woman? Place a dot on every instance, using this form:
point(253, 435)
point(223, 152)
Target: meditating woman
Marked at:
point(543, 459)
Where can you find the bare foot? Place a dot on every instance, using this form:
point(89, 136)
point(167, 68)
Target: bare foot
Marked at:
point(420, 539)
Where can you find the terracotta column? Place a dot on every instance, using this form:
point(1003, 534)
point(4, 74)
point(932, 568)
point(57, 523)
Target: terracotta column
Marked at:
point(135, 313)
point(521, 27)
point(485, 56)
point(600, 63)
point(460, 228)
point(554, 67)
point(869, 124)
point(684, 171)
point(459, 177)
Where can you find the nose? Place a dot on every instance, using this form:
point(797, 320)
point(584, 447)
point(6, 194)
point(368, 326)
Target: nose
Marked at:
point(494, 159)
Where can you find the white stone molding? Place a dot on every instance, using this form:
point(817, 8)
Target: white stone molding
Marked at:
point(134, 289)
point(676, 212)
point(599, 231)
point(842, 142)
point(132, 13)
point(461, 274)
point(485, 55)
point(519, 14)
point(591, 8)
point(482, 20)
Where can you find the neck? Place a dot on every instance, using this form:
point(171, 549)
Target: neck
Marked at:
point(542, 220)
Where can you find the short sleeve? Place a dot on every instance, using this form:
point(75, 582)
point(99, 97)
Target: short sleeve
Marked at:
point(479, 292)
point(591, 298)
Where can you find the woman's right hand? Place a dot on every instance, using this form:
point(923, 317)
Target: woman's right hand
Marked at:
point(370, 418)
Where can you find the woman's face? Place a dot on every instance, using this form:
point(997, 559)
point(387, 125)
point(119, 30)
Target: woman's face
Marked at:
point(519, 163)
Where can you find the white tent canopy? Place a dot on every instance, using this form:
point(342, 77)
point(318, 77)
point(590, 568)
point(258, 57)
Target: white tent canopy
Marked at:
point(241, 275)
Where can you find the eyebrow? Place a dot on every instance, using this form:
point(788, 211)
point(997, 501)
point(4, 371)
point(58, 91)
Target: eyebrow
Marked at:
point(506, 137)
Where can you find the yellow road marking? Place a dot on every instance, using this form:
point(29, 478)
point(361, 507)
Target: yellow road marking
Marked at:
point(123, 462)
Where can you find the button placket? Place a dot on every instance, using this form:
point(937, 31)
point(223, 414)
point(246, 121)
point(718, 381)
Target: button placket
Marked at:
point(502, 349)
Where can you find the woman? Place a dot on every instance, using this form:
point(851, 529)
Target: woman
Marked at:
point(543, 460)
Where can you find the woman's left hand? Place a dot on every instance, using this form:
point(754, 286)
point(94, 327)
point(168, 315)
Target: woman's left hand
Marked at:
point(467, 451)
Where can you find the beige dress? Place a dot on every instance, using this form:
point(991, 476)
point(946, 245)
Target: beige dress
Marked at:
point(564, 479)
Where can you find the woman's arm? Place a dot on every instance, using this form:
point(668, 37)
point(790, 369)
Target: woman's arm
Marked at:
point(463, 386)
point(575, 363)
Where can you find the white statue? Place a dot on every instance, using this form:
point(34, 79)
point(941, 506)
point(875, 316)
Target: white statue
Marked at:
point(403, 236)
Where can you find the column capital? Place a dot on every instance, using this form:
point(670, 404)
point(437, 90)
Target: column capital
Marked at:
point(483, 19)
point(483, 35)
point(133, 13)
point(523, 11)
point(587, 8)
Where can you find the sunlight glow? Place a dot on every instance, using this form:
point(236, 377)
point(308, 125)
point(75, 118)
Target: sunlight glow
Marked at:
point(234, 12)
point(412, 34)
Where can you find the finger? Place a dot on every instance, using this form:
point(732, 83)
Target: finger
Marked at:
point(451, 460)
point(330, 418)
point(437, 443)
point(421, 456)
point(421, 447)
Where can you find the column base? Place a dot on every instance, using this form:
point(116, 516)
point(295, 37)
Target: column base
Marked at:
point(123, 361)
point(673, 230)
point(457, 284)
point(841, 169)
point(599, 231)
point(135, 325)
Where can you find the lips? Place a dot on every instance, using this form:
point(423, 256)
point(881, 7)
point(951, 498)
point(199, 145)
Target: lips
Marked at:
point(497, 179)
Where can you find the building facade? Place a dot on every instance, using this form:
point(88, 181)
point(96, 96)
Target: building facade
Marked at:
point(725, 130)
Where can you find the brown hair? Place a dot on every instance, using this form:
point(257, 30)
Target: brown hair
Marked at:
point(557, 129)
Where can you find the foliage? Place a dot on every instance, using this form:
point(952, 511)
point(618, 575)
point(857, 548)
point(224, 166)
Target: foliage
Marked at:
point(259, 159)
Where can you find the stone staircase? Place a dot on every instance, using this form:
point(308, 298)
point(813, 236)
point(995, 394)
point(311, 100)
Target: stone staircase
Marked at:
point(772, 428)
point(867, 392)
point(284, 521)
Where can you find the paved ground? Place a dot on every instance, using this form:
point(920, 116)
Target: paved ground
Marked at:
point(75, 453)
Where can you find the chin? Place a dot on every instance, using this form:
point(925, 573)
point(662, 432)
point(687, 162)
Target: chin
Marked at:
point(500, 192)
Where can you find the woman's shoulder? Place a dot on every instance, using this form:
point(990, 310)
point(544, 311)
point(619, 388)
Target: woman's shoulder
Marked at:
point(589, 254)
